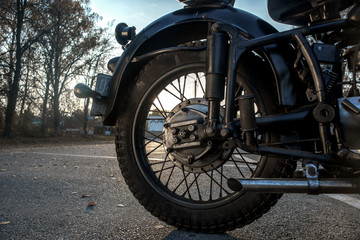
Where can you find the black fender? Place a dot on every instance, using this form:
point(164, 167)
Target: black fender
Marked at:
point(190, 24)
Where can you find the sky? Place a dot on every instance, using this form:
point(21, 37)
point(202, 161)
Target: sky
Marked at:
point(140, 13)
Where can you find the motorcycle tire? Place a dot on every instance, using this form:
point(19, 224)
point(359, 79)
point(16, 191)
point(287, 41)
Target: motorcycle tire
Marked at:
point(192, 196)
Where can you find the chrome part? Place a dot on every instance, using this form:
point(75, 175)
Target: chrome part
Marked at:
point(312, 176)
point(350, 121)
point(311, 185)
point(346, 185)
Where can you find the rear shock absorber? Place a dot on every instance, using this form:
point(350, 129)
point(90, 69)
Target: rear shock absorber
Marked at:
point(216, 71)
point(247, 118)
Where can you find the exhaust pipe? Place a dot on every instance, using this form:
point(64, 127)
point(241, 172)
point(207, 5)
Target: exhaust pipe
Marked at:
point(345, 185)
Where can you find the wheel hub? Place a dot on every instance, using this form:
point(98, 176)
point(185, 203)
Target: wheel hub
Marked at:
point(185, 139)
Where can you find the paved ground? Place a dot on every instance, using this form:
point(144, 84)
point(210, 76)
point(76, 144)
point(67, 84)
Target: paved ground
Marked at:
point(45, 194)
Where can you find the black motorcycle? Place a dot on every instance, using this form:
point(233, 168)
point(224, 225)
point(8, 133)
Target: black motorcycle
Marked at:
point(217, 114)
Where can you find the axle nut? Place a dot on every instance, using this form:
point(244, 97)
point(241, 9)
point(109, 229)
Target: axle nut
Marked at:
point(182, 134)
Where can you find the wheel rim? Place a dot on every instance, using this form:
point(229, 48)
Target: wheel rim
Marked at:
point(177, 184)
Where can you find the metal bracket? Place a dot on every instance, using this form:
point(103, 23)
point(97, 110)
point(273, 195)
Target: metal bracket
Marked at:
point(312, 176)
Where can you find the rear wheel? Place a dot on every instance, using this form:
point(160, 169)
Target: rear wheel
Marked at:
point(176, 176)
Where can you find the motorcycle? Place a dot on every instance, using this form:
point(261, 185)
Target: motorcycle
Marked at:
point(218, 114)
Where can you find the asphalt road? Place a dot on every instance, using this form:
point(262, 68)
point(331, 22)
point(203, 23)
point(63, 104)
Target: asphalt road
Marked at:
point(45, 193)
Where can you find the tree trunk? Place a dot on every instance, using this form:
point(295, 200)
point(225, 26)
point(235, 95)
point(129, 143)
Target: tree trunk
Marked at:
point(56, 114)
point(14, 88)
point(44, 108)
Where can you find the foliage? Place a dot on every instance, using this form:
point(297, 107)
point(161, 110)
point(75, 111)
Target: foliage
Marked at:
point(46, 45)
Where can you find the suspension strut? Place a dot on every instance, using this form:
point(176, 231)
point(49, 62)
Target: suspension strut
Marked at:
point(247, 116)
point(216, 71)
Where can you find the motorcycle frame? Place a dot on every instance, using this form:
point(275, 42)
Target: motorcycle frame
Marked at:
point(239, 45)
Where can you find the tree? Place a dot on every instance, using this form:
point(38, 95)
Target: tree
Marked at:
point(16, 18)
point(44, 45)
point(66, 45)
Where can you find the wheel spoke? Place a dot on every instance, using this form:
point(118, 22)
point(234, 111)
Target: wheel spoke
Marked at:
point(197, 186)
point(182, 97)
point(213, 180)
point(232, 159)
point(178, 81)
point(252, 171)
point(186, 183)
point(192, 183)
point(158, 162)
point(180, 183)
point(162, 107)
point(221, 178)
point(162, 113)
point(155, 136)
point(156, 111)
point(167, 168)
point(199, 81)
point(172, 170)
point(162, 167)
point(185, 77)
point(172, 94)
point(151, 140)
point(147, 154)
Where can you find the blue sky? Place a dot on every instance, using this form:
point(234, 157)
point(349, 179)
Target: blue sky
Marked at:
point(140, 13)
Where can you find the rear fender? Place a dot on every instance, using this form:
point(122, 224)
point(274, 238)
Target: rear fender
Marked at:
point(187, 25)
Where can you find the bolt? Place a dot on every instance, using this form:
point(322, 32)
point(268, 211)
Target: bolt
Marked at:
point(225, 132)
point(191, 128)
point(192, 137)
point(215, 27)
point(173, 130)
point(209, 143)
point(211, 131)
point(176, 140)
point(191, 159)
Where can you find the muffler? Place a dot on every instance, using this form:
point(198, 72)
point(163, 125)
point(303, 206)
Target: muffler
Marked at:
point(345, 185)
